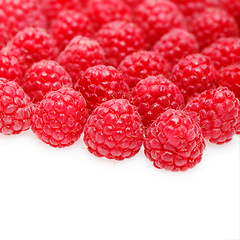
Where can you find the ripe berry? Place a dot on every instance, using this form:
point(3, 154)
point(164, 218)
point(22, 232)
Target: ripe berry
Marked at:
point(59, 118)
point(223, 52)
point(68, 24)
point(44, 76)
point(233, 7)
point(174, 142)
point(140, 65)
point(101, 83)
point(194, 74)
point(9, 67)
point(157, 17)
point(114, 130)
point(101, 12)
point(15, 108)
point(4, 32)
point(213, 24)
point(80, 54)
point(154, 95)
point(175, 45)
point(216, 112)
point(119, 39)
point(31, 45)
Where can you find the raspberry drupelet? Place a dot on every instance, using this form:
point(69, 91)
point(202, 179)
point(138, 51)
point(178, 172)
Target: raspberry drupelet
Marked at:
point(43, 77)
point(15, 108)
point(174, 142)
point(101, 83)
point(154, 95)
point(114, 130)
point(216, 111)
point(58, 119)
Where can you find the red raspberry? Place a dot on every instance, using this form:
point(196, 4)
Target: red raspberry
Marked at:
point(43, 77)
point(101, 83)
point(31, 45)
point(140, 65)
point(15, 108)
point(119, 39)
point(9, 67)
point(4, 32)
point(176, 44)
point(230, 77)
point(51, 8)
point(216, 112)
point(68, 24)
point(233, 7)
point(213, 24)
point(154, 95)
point(104, 11)
point(114, 130)
point(79, 54)
point(194, 74)
point(157, 17)
point(223, 52)
point(174, 142)
point(59, 118)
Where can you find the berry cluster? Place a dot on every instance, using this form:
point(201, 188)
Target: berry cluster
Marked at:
point(161, 74)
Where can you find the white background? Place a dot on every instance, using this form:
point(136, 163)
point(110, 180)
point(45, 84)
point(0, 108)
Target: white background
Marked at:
point(49, 194)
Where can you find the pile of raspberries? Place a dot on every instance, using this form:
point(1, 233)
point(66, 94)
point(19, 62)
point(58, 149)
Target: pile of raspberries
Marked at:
point(162, 74)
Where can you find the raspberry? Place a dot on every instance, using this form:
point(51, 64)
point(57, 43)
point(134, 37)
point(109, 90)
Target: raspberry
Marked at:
point(223, 52)
point(9, 67)
point(43, 77)
point(51, 8)
point(104, 11)
point(174, 142)
point(59, 118)
point(31, 45)
point(79, 54)
point(114, 130)
point(157, 17)
point(4, 33)
point(68, 24)
point(15, 108)
point(119, 39)
point(140, 65)
point(230, 77)
point(213, 24)
point(216, 112)
point(176, 44)
point(154, 95)
point(233, 7)
point(101, 83)
point(194, 74)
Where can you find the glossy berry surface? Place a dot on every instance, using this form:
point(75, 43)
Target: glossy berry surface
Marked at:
point(142, 64)
point(31, 45)
point(101, 83)
point(101, 12)
point(119, 39)
point(157, 17)
point(174, 142)
point(15, 108)
point(216, 112)
point(175, 45)
point(59, 118)
point(194, 74)
point(223, 52)
point(43, 77)
point(154, 95)
point(79, 54)
point(114, 130)
point(213, 24)
point(9, 67)
point(233, 7)
point(67, 25)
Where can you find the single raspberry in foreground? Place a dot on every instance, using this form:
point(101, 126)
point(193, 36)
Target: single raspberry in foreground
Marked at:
point(59, 118)
point(216, 111)
point(114, 130)
point(15, 108)
point(174, 142)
